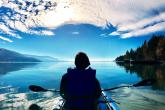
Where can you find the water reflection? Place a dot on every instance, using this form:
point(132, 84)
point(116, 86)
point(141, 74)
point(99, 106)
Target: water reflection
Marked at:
point(139, 99)
point(15, 95)
point(147, 71)
point(9, 67)
point(22, 101)
point(14, 92)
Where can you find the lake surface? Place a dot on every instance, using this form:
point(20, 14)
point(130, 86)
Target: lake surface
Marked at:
point(16, 77)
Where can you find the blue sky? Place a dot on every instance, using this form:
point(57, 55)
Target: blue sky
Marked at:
point(104, 29)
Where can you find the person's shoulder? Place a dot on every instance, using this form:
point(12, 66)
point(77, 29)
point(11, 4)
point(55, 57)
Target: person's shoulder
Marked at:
point(91, 69)
point(91, 72)
point(69, 70)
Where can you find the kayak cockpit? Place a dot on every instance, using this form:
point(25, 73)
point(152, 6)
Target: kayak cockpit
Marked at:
point(105, 102)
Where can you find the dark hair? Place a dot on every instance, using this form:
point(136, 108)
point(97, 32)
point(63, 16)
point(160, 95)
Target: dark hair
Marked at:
point(81, 60)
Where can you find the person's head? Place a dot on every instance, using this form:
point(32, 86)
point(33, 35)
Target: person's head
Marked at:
point(81, 60)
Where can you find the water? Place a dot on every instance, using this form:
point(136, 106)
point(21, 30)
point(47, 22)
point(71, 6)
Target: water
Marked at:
point(16, 77)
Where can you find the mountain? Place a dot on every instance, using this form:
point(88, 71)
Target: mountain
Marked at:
point(12, 56)
point(44, 58)
point(150, 51)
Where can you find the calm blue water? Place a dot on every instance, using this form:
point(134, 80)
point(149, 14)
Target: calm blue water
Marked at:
point(16, 77)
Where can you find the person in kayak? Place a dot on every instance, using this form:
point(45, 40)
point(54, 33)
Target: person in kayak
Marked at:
point(79, 86)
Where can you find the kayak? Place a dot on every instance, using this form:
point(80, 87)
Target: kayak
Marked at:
point(105, 102)
point(108, 103)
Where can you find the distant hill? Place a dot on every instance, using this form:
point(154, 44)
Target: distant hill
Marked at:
point(150, 51)
point(11, 56)
point(44, 58)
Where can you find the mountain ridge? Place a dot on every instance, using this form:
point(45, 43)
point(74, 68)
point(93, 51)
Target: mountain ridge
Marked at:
point(13, 56)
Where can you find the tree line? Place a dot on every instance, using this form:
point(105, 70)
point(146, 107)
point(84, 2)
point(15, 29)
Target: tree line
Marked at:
point(152, 50)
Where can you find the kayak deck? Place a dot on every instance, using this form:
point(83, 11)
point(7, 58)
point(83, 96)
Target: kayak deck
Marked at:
point(107, 103)
point(104, 103)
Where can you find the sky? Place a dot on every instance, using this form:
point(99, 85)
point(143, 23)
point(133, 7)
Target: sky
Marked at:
point(104, 29)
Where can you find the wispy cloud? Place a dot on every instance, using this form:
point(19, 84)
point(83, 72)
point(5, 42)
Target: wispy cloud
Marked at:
point(25, 16)
point(114, 33)
point(130, 17)
point(5, 39)
point(151, 29)
point(104, 35)
point(42, 32)
point(6, 30)
point(144, 23)
point(142, 27)
point(75, 33)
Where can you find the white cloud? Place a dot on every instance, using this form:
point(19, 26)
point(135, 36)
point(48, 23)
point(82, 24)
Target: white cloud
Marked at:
point(104, 35)
point(142, 27)
point(125, 15)
point(43, 32)
point(22, 18)
point(49, 33)
point(142, 23)
point(8, 31)
point(5, 39)
point(114, 34)
point(75, 33)
point(4, 28)
point(1, 3)
point(151, 29)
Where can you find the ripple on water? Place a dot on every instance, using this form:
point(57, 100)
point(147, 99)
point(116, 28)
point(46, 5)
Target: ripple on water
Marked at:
point(139, 99)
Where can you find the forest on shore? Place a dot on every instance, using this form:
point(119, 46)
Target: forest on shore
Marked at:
point(152, 51)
